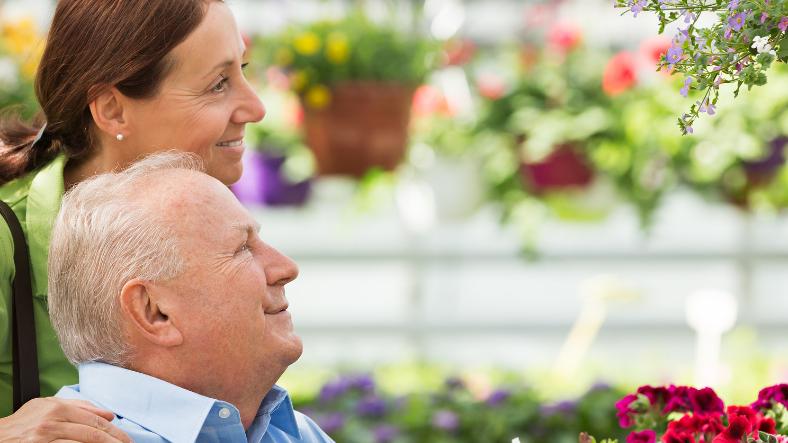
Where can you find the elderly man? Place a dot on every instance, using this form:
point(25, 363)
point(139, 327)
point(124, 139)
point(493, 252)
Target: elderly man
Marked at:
point(173, 309)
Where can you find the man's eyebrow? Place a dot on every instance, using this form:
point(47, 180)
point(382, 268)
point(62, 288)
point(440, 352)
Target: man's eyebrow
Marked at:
point(249, 228)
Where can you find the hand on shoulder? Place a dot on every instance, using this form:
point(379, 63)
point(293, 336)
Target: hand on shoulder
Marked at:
point(51, 419)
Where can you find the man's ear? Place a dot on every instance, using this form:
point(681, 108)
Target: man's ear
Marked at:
point(140, 301)
point(110, 113)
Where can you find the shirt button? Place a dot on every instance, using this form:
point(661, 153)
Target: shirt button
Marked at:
point(224, 413)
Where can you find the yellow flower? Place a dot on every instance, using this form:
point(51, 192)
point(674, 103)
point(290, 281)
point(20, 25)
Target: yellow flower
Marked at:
point(298, 80)
point(337, 48)
point(307, 43)
point(19, 37)
point(318, 97)
point(283, 57)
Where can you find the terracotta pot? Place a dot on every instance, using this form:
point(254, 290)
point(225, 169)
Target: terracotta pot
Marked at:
point(365, 126)
point(564, 168)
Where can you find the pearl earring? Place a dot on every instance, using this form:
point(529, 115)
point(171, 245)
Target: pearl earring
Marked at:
point(120, 137)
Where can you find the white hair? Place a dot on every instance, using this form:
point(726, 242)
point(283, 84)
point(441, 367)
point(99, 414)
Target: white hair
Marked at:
point(104, 236)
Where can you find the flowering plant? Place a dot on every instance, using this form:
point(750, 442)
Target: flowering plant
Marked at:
point(739, 47)
point(323, 54)
point(18, 61)
point(681, 414)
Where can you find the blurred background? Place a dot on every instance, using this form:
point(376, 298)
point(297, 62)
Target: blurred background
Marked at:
point(492, 206)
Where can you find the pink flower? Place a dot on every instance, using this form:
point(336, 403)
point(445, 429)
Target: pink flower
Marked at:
point(625, 413)
point(678, 437)
point(620, 74)
point(647, 436)
point(783, 24)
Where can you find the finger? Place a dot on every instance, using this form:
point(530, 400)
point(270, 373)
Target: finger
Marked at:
point(87, 434)
point(90, 407)
point(79, 416)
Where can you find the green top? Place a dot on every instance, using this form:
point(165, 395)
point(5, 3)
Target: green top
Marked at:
point(35, 198)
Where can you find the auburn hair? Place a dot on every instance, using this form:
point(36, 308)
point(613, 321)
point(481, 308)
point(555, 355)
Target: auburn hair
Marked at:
point(91, 46)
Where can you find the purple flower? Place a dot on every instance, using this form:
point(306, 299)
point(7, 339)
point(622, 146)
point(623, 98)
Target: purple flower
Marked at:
point(638, 6)
point(498, 397)
point(685, 90)
point(719, 80)
point(737, 21)
point(706, 106)
point(333, 390)
point(733, 5)
point(688, 15)
point(739, 67)
point(674, 55)
point(332, 422)
point(385, 433)
point(364, 383)
point(371, 406)
point(454, 383)
point(783, 24)
point(680, 397)
point(446, 420)
point(763, 17)
point(563, 408)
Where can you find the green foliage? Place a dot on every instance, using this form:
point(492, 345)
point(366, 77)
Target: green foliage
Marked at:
point(352, 49)
point(353, 410)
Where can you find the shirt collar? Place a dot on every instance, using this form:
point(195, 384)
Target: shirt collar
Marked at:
point(174, 413)
point(43, 203)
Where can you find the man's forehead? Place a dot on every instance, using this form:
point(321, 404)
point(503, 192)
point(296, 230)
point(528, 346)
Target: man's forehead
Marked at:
point(248, 227)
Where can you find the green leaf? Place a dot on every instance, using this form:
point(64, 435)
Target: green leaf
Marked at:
point(763, 436)
point(783, 51)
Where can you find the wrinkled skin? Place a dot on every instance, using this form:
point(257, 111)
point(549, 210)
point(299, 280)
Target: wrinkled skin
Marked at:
point(54, 419)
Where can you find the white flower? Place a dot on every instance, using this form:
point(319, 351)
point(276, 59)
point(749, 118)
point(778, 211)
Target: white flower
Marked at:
point(760, 43)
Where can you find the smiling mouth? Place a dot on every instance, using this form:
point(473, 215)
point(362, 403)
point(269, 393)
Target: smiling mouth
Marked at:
point(231, 144)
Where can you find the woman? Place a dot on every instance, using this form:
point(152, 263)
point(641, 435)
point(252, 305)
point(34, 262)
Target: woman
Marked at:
point(118, 79)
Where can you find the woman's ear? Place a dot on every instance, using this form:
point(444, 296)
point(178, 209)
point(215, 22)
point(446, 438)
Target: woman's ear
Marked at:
point(142, 304)
point(109, 112)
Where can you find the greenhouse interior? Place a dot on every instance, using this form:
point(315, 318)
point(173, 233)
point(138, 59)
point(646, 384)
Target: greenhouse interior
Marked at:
point(513, 218)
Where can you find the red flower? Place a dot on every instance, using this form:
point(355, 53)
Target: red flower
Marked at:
point(687, 423)
point(647, 436)
point(491, 85)
point(742, 410)
point(764, 424)
point(624, 412)
point(677, 437)
point(459, 51)
point(620, 73)
point(738, 428)
point(652, 48)
point(710, 424)
point(428, 100)
point(564, 36)
point(705, 400)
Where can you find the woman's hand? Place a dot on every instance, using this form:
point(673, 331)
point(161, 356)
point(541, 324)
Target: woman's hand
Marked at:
point(49, 419)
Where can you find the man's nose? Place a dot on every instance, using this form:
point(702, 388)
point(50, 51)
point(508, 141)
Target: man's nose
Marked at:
point(279, 269)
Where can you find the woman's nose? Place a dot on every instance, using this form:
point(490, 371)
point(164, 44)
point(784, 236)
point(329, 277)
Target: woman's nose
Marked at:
point(250, 108)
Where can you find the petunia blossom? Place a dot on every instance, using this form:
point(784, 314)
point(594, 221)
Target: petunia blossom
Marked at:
point(706, 400)
point(647, 436)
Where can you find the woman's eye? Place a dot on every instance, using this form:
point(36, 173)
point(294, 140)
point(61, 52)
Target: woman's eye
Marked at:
point(243, 66)
point(219, 86)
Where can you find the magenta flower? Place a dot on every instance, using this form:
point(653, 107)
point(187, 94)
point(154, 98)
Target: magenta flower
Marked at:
point(625, 413)
point(737, 21)
point(783, 24)
point(685, 90)
point(647, 436)
point(706, 400)
point(718, 82)
point(763, 17)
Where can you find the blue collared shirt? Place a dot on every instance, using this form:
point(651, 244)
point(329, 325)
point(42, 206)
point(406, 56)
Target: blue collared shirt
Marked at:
point(150, 410)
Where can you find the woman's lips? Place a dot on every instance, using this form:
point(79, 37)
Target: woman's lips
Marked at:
point(235, 147)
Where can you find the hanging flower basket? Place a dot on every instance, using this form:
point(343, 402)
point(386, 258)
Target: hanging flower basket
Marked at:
point(564, 168)
point(364, 126)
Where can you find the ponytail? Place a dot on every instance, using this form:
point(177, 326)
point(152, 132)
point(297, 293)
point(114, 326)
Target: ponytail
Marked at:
point(23, 147)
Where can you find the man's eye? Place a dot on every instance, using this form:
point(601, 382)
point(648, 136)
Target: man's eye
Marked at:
point(243, 248)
